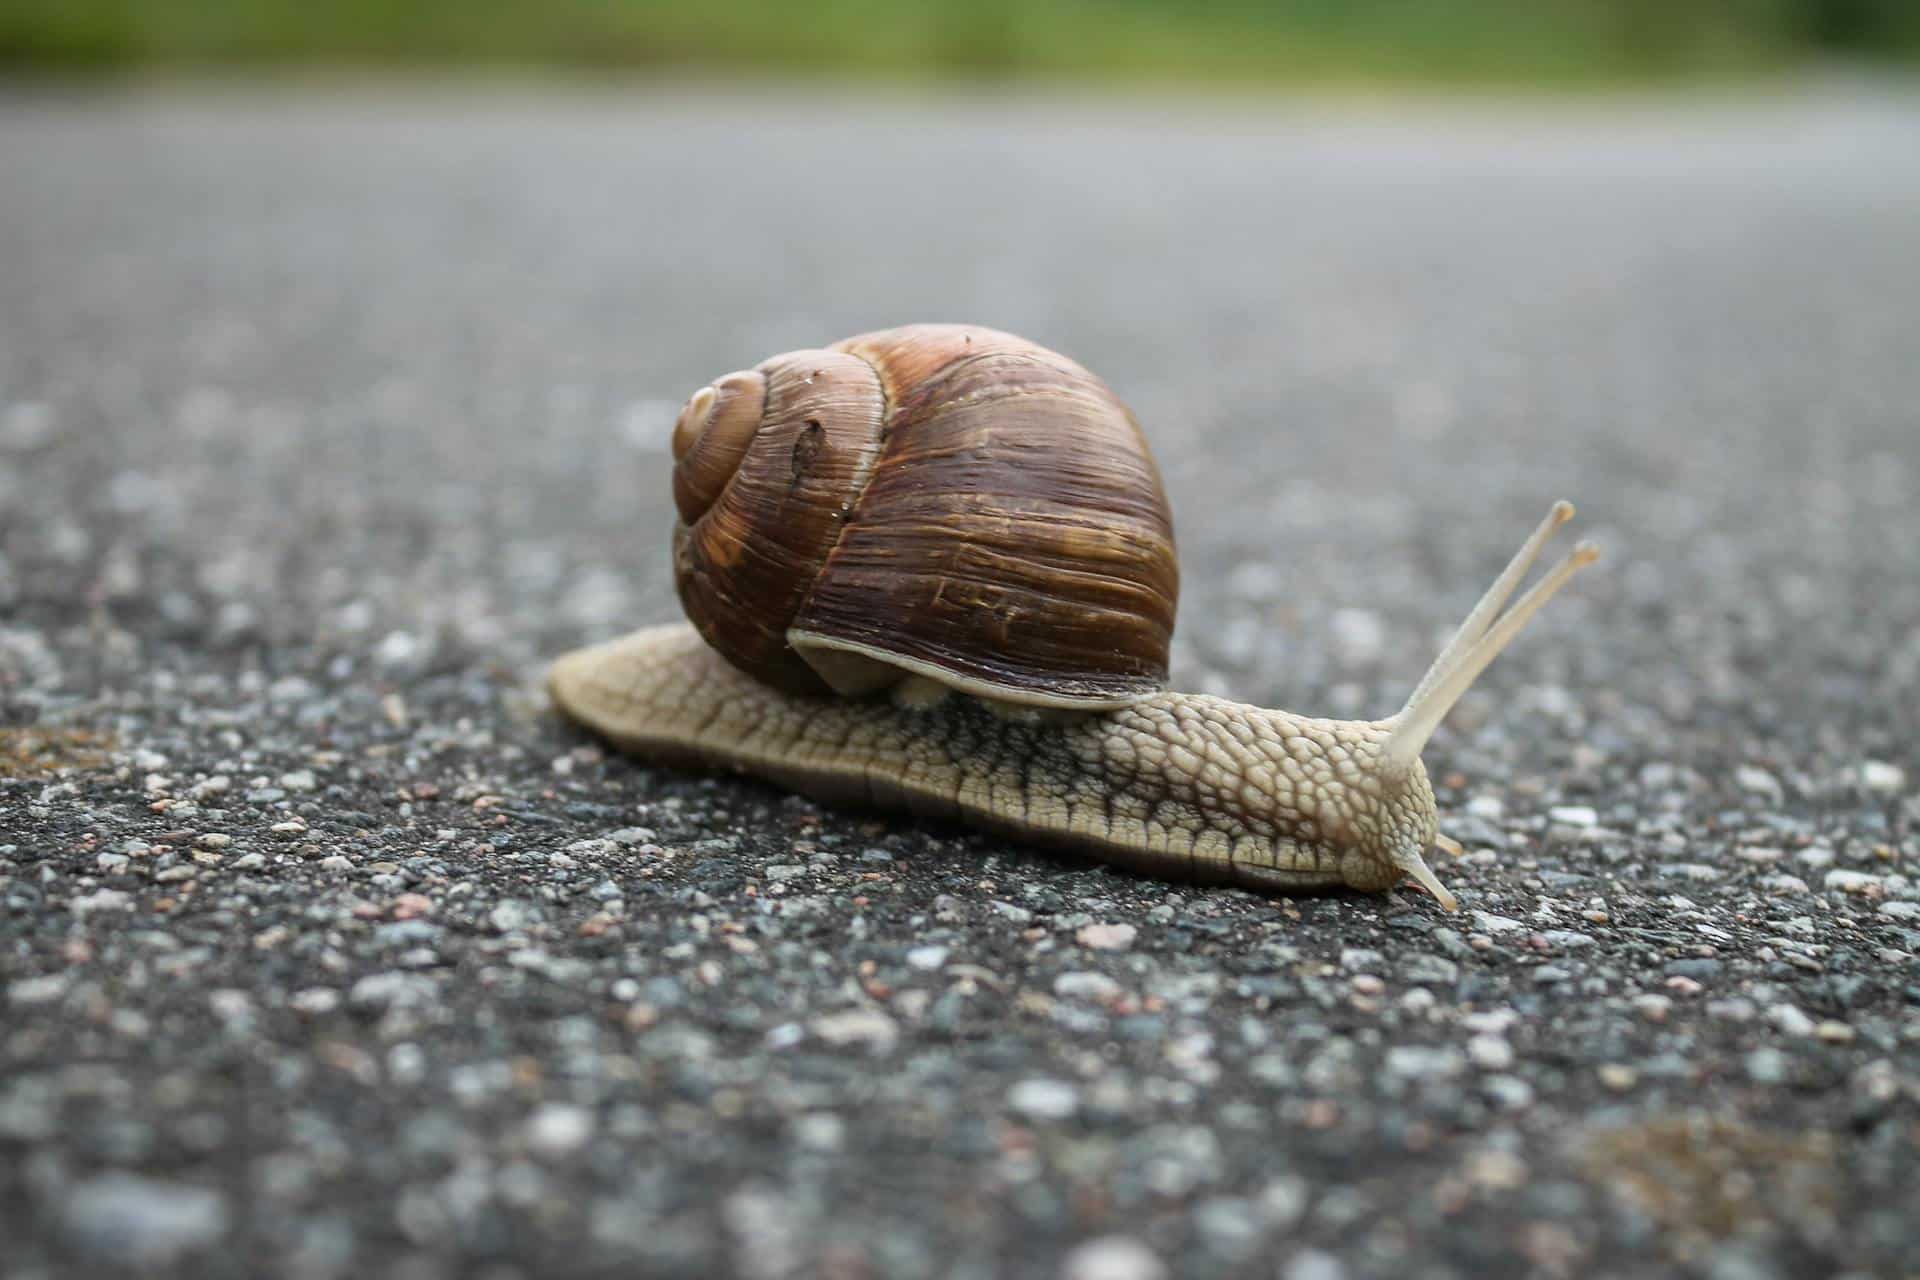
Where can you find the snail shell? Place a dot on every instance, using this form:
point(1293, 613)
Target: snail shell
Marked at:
point(941, 501)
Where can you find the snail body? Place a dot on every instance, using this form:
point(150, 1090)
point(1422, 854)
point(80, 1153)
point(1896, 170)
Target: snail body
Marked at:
point(932, 569)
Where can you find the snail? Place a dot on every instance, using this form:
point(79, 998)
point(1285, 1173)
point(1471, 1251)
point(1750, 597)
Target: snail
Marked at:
point(932, 569)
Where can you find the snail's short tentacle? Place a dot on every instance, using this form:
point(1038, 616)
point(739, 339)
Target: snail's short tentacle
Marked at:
point(1410, 861)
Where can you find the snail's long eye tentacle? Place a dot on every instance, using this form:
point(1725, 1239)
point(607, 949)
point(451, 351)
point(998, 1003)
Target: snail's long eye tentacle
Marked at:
point(1488, 609)
point(1421, 716)
point(1449, 846)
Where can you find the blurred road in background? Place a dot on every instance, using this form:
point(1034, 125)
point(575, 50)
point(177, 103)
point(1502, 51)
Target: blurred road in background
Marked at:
point(325, 420)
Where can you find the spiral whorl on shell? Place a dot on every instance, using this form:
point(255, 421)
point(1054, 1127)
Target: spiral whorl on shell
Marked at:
point(940, 500)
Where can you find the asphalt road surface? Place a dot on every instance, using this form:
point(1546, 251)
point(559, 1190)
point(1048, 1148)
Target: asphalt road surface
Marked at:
point(326, 950)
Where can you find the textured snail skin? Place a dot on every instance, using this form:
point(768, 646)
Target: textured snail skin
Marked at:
point(1178, 785)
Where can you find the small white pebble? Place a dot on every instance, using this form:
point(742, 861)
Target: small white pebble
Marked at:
point(1654, 1008)
point(1361, 960)
point(1701, 871)
point(1878, 775)
point(867, 1027)
point(102, 900)
point(1510, 1092)
point(1112, 1258)
point(1858, 882)
point(42, 990)
point(1495, 1169)
point(398, 648)
point(1044, 1099)
point(1105, 937)
point(926, 959)
point(1489, 807)
point(1358, 635)
point(1790, 1020)
point(1491, 1053)
point(820, 1131)
point(1086, 985)
point(230, 1004)
point(1311, 1264)
point(1490, 1021)
point(557, 1128)
point(1618, 1076)
point(1419, 1062)
point(1574, 815)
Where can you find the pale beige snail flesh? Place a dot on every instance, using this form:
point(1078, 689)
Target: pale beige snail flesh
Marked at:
point(848, 691)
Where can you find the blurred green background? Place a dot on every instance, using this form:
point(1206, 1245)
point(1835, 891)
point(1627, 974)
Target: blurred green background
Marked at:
point(1279, 41)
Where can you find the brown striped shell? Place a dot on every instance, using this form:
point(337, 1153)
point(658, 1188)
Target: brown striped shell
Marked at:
point(936, 500)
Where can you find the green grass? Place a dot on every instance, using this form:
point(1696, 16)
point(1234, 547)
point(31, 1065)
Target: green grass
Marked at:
point(1237, 40)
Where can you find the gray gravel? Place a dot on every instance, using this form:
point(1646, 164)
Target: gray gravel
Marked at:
point(326, 951)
